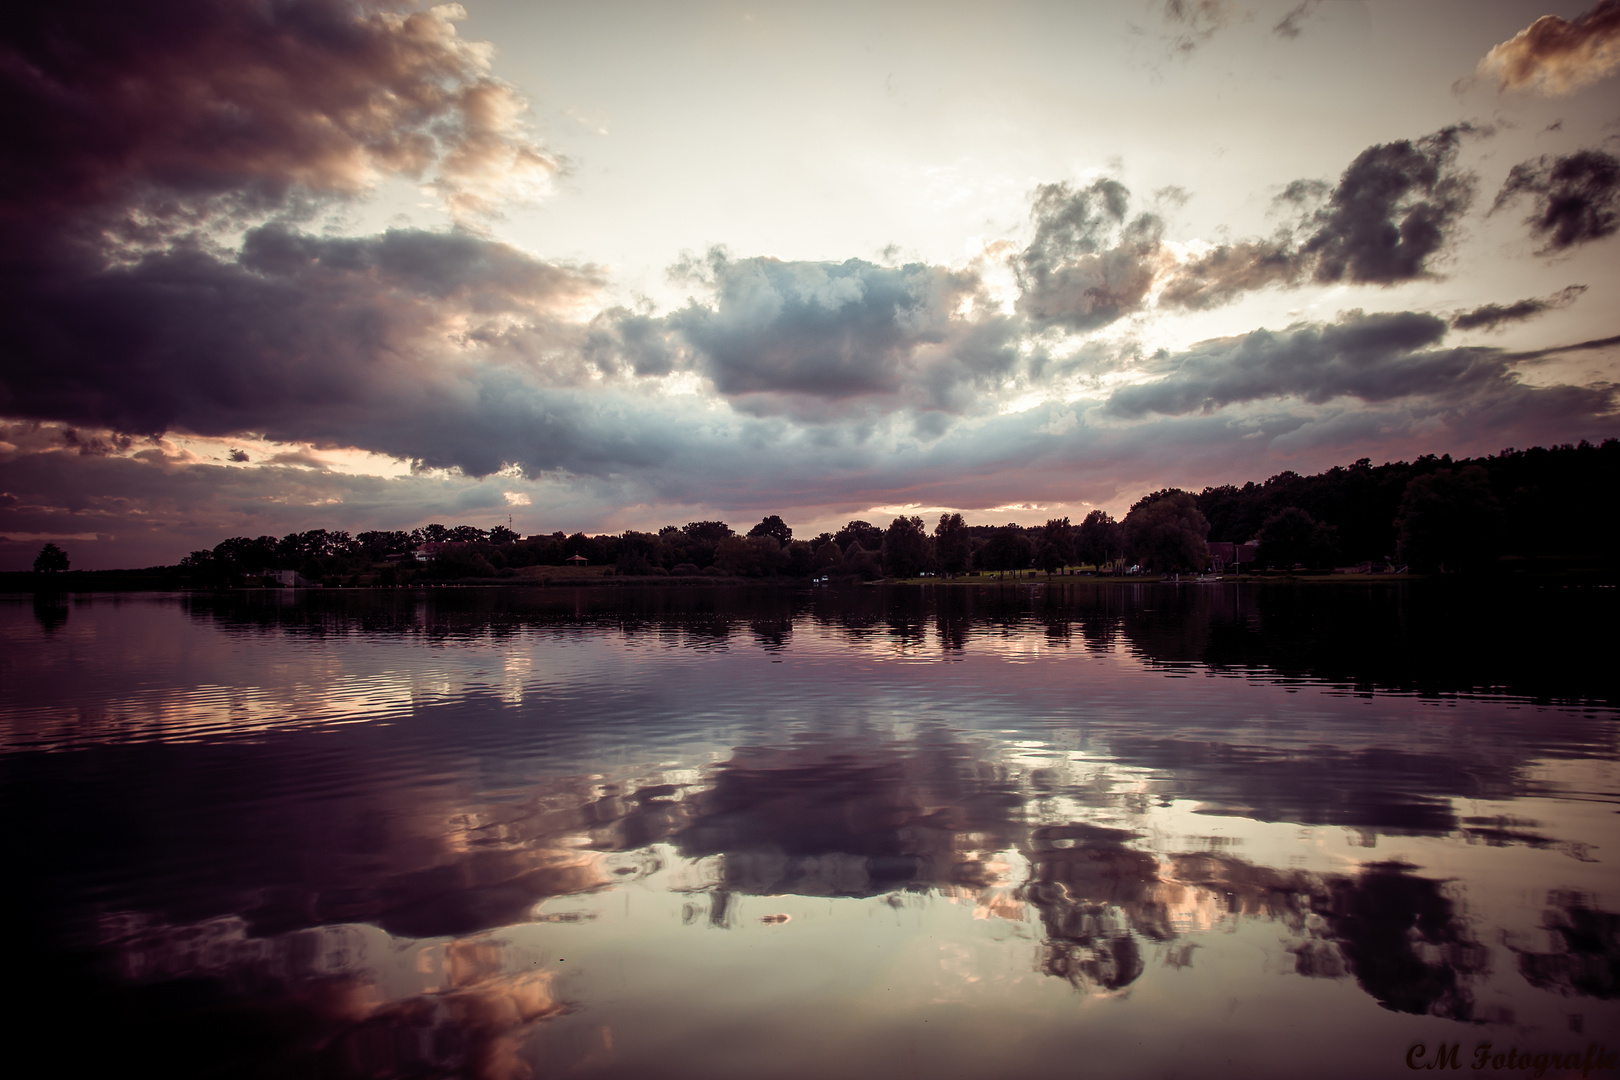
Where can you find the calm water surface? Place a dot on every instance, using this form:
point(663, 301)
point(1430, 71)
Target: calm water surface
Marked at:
point(1203, 831)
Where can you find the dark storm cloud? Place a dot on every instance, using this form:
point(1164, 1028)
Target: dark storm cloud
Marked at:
point(1392, 214)
point(1491, 316)
point(1090, 262)
point(301, 338)
point(166, 107)
point(778, 331)
point(1576, 197)
point(1392, 211)
point(143, 138)
point(1373, 358)
point(159, 273)
point(1558, 56)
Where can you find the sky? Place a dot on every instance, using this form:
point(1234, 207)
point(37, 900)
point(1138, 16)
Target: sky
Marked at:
point(277, 265)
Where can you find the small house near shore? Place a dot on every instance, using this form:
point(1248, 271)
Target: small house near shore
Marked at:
point(1225, 556)
point(435, 549)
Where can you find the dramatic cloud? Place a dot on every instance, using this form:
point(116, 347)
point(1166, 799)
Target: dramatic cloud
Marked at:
point(777, 331)
point(1392, 211)
point(1090, 261)
point(679, 464)
point(154, 280)
point(158, 112)
point(1491, 316)
point(300, 338)
point(192, 338)
point(1373, 358)
point(1556, 56)
point(1391, 214)
point(1576, 197)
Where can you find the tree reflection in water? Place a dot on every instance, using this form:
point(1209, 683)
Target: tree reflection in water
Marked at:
point(333, 898)
point(1583, 948)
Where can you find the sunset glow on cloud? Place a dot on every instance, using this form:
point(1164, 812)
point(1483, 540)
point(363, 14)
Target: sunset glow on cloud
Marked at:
point(319, 264)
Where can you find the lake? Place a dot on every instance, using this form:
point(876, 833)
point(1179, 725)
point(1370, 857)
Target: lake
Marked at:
point(1067, 830)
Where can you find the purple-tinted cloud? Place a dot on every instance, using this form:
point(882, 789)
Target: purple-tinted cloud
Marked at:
point(1576, 197)
point(783, 331)
point(299, 338)
point(1492, 316)
point(1091, 261)
point(154, 114)
point(1372, 358)
point(159, 274)
point(1391, 216)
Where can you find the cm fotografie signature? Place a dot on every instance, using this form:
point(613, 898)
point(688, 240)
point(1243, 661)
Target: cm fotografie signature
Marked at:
point(1596, 1056)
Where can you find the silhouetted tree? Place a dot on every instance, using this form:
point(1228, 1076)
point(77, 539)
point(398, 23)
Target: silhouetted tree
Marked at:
point(50, 560)
point(246, 555)
point(1056, 546)
point(869, 536)
point(857, 560)
point(1291, 536)
point(1165, 532)
point(754, 556)
point(377, 545)
point(952, 546)
point(799, 559)
point(827, 556)
point(638, 553)
point(905, 548)
point(1099, 540)
point(774, 527)
point(1449, 521)
point(711, 531)
point(1007, 549)
point(500, 534)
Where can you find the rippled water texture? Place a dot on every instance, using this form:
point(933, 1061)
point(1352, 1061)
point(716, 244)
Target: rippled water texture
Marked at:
point(1087, 831)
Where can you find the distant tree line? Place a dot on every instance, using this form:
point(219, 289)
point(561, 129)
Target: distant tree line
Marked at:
point(1545, 506)
point(860, 550)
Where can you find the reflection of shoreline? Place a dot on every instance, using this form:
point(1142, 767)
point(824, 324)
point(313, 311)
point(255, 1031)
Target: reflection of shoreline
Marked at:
point(494, 760)
point(1431, 638)
point(1506, 639)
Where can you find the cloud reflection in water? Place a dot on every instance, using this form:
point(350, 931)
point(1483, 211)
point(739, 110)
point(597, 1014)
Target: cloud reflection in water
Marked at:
point(518, 854)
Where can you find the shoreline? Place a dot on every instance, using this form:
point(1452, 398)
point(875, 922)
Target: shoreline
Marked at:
point(102, 581)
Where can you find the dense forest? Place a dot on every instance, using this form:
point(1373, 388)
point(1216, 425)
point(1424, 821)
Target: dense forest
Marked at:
point(1543, 503)
point(1543, 509)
